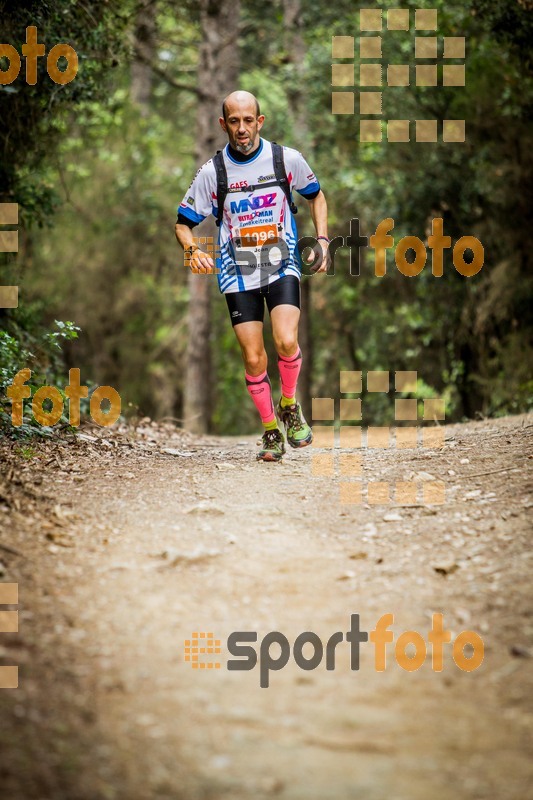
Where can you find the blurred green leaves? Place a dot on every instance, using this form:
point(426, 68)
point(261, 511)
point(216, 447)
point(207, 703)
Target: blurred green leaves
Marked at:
point(85, 160)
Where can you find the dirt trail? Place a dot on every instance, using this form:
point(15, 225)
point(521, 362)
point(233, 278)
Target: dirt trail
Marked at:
point(123, 550)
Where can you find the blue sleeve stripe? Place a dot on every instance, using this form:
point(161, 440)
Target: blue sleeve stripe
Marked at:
point(311, 188)
point(190, 214)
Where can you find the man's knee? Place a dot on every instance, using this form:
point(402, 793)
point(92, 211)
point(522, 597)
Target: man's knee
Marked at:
point(255, 361)
point(286, 345)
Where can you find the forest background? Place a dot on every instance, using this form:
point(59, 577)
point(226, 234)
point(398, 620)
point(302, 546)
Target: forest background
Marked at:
point(99, 165)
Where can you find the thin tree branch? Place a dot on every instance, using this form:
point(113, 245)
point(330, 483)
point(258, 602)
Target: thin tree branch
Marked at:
point(79, 209)
point(161, 73)
point(11, 550)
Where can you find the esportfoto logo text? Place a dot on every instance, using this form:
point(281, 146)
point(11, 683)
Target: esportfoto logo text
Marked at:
point(275, 649)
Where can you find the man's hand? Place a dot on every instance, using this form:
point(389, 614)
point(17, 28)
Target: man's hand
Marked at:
point(319, 213)
point(326, 258)
point(322, 248)
point(197, 261)
point(200, 262)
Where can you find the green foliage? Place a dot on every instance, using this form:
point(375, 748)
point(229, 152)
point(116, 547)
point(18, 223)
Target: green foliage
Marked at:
point(115, 240)
point(24, 344)
point(27, 452)
point(110, 176)
point(460, 334)
point(36, 113)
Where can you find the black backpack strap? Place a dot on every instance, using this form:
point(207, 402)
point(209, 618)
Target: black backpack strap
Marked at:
point(222, 184)
point(281, 175)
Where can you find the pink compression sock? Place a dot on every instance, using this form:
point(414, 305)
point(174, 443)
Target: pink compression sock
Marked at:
point(289, 369)
point(260, 391)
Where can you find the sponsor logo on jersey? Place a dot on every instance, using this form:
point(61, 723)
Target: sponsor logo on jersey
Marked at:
point(254, 203)
point(258, 214)
point(190, 201)
point(311, 177)
point(264, 178)
point(237, 185)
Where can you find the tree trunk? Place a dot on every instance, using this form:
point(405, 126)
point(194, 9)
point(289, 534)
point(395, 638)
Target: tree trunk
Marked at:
point(295, 54)
point(217, 76)
point(144, 50)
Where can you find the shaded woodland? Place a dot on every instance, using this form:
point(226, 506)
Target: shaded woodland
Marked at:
point(99, 165)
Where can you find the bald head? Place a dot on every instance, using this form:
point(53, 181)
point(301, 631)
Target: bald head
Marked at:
point(242, 121)
point(239, 100)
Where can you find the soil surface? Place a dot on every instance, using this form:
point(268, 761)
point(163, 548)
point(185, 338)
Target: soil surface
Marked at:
point(125, 542)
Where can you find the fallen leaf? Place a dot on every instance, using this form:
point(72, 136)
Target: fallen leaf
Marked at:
point(447, 568)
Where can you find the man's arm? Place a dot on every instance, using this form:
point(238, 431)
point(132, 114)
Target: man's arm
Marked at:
point(199, 261)
point(319, 213)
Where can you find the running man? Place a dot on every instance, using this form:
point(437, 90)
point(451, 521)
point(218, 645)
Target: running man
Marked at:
point(255, 218)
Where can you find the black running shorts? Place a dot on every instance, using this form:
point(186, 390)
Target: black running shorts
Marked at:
point(249, 306)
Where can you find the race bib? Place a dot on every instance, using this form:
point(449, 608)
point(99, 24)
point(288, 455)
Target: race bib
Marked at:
point(255, 236)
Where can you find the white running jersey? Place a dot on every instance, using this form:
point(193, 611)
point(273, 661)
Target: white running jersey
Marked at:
point(257, 237)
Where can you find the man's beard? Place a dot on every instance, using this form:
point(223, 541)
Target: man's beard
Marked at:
point(244, 148)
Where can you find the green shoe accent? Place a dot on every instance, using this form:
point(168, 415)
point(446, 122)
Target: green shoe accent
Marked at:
point(299, 434)
point(271, 426)
point(273, 446)
point(287, 401)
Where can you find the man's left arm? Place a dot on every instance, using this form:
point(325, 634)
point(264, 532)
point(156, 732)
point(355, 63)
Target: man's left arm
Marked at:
point(306, 184)
point(319, 213)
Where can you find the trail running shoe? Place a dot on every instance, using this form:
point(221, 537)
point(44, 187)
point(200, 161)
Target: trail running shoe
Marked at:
point(273, 446)
point(299, 434)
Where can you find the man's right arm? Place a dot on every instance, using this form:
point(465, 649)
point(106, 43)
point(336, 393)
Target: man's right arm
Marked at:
point(199, 261)
point(194, 208)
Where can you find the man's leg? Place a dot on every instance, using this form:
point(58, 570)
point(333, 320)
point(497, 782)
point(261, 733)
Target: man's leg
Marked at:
point(285, 315)
point(250, 338)
point(246, 312)
point(285, 320)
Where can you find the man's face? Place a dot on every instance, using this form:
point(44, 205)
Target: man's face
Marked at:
point(242, 126)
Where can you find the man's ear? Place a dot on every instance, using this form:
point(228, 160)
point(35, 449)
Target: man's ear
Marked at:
point(223, 123)
point(260, 120)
